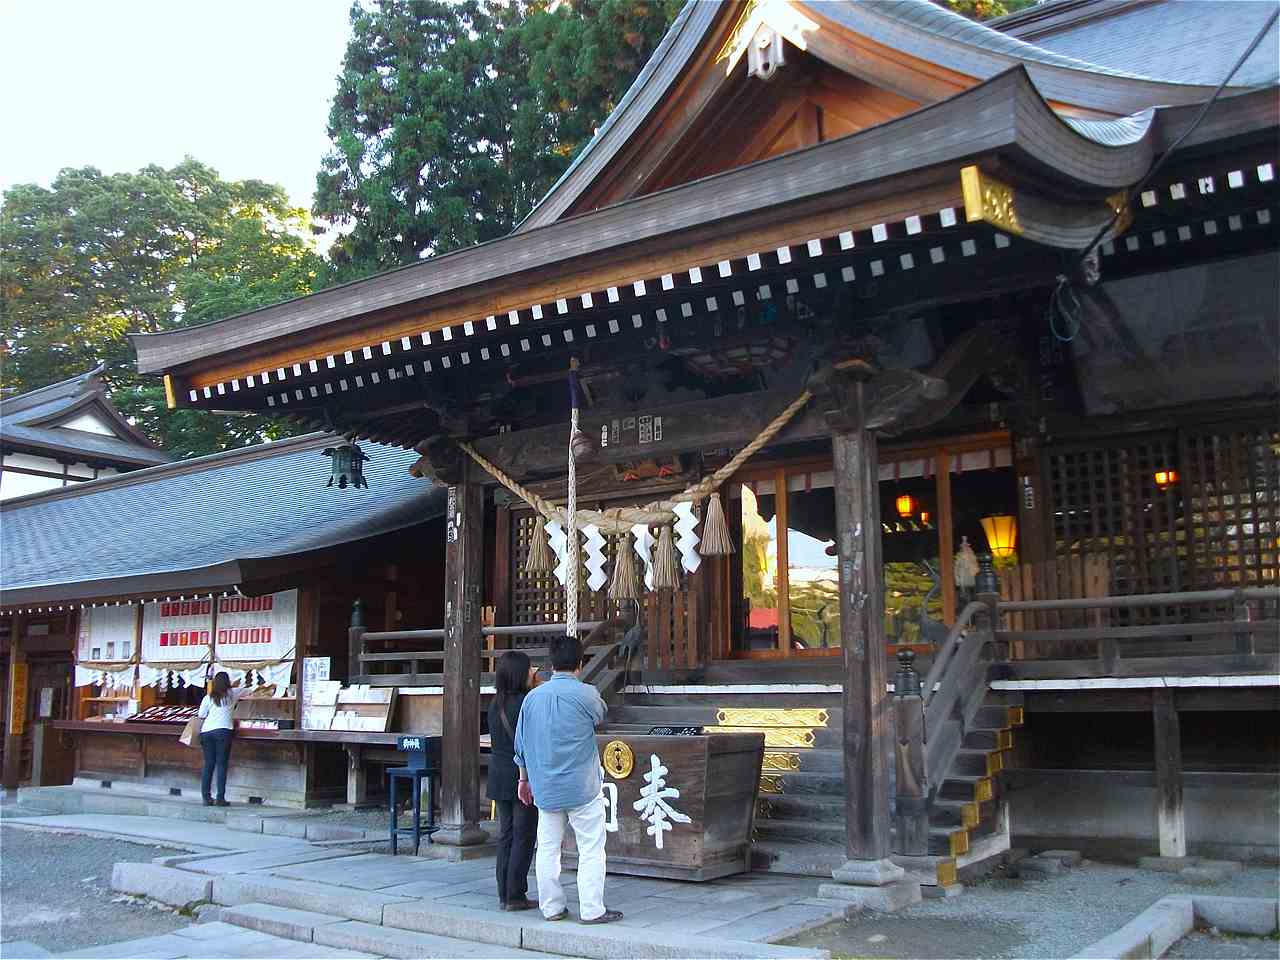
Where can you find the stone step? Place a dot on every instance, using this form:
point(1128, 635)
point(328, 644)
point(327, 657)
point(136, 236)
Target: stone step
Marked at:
point(824, 783)
point(809, 831)
point(813, 809)
point(800, 858)
point(287, 922)
point(991, 717)
point(966, 787)
point(408, 945)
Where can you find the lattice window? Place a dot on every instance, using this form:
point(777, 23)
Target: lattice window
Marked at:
point(673, 619)
point(539, 598)
point(1105, 501)
point(1215, 527)
point(1231, 486)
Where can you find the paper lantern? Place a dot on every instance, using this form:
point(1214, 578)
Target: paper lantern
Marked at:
point(906, 504)
point(1166, 478)
point(1002, 534)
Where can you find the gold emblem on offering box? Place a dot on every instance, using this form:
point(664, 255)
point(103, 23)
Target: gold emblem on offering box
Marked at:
point(771, 783)
point(618, 759)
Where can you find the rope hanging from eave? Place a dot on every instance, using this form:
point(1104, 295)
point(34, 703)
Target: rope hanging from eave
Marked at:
point(623, 519)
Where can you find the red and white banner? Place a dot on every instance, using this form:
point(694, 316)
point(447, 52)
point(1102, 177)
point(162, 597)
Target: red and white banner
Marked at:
point(107, 633)
point(177, 630)
point(257, 628)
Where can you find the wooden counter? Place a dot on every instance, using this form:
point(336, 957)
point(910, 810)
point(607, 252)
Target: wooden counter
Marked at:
point(286, 768)
point(717, 778)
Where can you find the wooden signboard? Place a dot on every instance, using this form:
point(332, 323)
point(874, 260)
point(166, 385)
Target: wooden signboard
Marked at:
point(678, 806)
point(17, 698)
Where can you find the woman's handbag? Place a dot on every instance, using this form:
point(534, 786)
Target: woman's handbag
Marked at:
point(191, 732)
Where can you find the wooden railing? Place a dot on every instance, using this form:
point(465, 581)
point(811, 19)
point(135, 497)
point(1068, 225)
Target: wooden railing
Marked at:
point(932, 715)
point(1245, 643)
point(416, 662)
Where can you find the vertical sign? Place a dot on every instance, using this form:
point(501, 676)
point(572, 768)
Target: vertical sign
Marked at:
point(17, 697)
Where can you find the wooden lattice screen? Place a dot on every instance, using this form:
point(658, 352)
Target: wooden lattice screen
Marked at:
point(672, 618)
point(1215, 527)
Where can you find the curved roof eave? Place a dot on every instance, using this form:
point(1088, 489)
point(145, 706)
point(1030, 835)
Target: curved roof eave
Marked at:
point(917, 27)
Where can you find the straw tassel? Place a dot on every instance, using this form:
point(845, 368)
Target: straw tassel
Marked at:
point(625, 584)
point(666, 565)
point(715, 530)
point(539, 559)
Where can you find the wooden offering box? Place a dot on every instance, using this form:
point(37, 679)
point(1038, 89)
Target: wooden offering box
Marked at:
point(705, 829)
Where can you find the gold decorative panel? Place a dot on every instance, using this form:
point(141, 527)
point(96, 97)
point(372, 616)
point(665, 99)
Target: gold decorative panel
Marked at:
point(773, 736)
point(766, 717)
point(969, 815)
point(959, 842)
point(946, 872)
point(764, 809)
point(995, 762)
point(984, 790)
point(987, 199)
point(1005, 741)
point(1016, 716)
point(771, 783)
point(780, 761)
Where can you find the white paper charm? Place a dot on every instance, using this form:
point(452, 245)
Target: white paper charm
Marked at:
point(686, 540)
point(644, 550)
point(595, 560)
point(559, 542)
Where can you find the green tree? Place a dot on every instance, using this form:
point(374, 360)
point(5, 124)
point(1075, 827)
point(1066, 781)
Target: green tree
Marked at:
point(986, 9)
point(94, 257)
point(452, 119)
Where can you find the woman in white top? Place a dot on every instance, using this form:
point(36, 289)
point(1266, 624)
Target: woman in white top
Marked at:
point(215, 736)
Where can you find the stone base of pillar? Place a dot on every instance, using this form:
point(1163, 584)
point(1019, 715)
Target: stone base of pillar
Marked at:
point(869, 873)
point(886, 898)
point(460, 835)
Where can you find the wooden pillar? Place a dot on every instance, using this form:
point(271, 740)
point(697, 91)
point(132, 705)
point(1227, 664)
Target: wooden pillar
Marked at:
point(1170, 818)
point(867, 743)
point(15, 704)
point(463, 577)
point(912, 802)
point(946, 534)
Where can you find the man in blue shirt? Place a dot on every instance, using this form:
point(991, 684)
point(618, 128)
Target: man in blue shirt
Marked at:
point(560, 772)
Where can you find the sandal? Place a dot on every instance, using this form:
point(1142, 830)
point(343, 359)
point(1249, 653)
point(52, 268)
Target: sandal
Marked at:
point(609, 916)
point(559, 916)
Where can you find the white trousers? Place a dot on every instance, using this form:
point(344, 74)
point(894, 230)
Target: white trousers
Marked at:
point(588, 830)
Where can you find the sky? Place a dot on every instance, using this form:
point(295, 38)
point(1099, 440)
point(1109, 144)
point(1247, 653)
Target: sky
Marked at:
point(241, 85)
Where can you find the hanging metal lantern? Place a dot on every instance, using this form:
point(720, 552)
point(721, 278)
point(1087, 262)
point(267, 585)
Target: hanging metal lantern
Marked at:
point(1002, 535)
point(347, 466)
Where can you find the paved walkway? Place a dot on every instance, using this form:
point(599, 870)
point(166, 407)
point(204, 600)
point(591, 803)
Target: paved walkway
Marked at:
point(186, 834)
point(332, 899)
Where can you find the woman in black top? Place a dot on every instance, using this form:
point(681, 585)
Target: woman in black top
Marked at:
point(518, 823)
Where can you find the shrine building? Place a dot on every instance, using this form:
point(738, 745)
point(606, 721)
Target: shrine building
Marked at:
point(925, 382)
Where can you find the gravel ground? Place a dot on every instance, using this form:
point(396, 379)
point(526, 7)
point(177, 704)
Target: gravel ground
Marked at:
point(1203, 945)
point(1003, 917)
point(55, 891)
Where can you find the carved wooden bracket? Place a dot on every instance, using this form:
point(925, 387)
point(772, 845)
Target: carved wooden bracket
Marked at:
point(888, 397)
point(440, 460)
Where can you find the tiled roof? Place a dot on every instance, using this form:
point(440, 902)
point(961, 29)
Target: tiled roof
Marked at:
point(30, 420)
point(200, 523)
point(1187, 41)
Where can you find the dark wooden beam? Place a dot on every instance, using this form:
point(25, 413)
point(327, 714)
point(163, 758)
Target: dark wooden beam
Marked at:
point(1171, 827)
point(464, 573)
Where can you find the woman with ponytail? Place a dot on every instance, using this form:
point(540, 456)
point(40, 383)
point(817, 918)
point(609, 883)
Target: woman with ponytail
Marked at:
point(518, 822)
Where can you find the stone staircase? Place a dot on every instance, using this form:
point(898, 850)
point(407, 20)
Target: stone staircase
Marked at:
point(800, 821)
